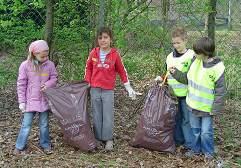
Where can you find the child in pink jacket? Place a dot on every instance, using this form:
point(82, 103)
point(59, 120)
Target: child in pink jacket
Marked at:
point(35, 75)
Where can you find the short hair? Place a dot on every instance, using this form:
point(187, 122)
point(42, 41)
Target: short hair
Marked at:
point(179, 32)
point(204, 46)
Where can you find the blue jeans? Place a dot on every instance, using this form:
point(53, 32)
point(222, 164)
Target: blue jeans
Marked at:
point(183, 134)
point(26, 128)
point(202, 128)
point(102, 104)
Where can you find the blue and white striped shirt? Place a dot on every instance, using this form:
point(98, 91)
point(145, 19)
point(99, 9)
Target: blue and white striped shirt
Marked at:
point(103, 55)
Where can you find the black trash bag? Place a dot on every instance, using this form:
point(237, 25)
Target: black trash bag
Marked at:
point(69, 105)
point(155, 130)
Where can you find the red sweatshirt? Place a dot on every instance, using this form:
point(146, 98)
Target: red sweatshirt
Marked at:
point(104, 75)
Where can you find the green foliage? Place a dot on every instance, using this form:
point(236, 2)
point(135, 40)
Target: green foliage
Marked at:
point(21, 22)
point(190, 6)
point(9, 69)
point(232, 78)
point(145, 65)
point(238, 160)
point(72, 13)
point(141, 41)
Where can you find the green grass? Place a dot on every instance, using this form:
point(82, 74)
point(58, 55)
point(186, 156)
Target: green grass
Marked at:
point(9, 69)
point(232, 77)
point(238, 161)
point(144, 65)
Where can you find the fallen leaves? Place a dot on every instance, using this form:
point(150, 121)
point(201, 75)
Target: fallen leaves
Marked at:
point(126, 117)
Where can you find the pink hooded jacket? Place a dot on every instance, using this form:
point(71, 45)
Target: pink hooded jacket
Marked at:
point(29, 84)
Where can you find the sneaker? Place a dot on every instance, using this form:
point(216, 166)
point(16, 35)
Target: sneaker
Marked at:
point(99, 144)
point(48, 151)
point(19, 152)
point(16, 151)
point(208, 156)
point(109, 145)
point(190, 153)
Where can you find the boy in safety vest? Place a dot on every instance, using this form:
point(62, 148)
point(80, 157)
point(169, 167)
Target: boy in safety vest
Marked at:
point(181, 59)
point(205, 97)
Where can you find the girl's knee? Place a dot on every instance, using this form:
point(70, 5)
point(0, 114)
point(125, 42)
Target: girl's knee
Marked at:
point(44, 123)
point(26, 123)
point(196, 131)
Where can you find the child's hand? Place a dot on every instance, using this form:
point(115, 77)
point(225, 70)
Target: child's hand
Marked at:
point(22, 107)
point(43, 87)
point(172, 70)
point(131, 92)
point(158, 79)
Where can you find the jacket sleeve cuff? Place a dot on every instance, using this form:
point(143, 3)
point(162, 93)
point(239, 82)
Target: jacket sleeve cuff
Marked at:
point(126, 83)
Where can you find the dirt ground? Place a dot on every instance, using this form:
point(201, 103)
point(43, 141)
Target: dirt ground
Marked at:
point(126, 117)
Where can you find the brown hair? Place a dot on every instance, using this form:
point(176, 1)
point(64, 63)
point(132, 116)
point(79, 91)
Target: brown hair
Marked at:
point(179, 32)
point(102, 30)
point(204, 46)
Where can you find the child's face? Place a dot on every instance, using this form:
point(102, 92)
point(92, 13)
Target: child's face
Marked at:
point(104, 41)
point(179, 44)
point(41, 56)
point(202, 57)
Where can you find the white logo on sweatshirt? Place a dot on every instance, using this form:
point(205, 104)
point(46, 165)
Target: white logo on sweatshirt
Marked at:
point(103, 65)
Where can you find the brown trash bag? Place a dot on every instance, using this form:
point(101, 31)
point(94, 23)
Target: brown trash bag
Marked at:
point(69, 105)
point(155, 129)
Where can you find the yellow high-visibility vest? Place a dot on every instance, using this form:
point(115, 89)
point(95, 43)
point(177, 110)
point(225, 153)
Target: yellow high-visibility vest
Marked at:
point(201, 85)
point(182, 64)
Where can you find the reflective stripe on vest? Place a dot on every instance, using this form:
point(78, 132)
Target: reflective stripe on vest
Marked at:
point(179, 89)
point(200, 99)
point(201, 85)
point(182, 64)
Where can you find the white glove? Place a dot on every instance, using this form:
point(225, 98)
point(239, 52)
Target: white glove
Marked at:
point(158, 79)
point(131, 92)
point(22, 107)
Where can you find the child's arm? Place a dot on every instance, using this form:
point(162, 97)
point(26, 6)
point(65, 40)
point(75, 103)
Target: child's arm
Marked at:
point(53, 77)
point(120, 68)
point(179, 76)
point(220, 91)
point(124, 78)
point(22, 83)
point(88, 69)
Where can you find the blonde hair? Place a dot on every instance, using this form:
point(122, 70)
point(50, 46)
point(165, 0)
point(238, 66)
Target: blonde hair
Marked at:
point(31, 58)
point(179, 32)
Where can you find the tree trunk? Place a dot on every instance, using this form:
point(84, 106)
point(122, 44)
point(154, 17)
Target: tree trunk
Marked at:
point(101, 14)
point(108, 13)
point(49, 24)
point(211, 19)
point(165, 8)
point(229, 15)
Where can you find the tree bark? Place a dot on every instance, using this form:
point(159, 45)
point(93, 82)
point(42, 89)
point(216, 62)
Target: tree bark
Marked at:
point(211, 19)
point(49, 26)
point(165, 8)
point(101, 14)
point(229, 15)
